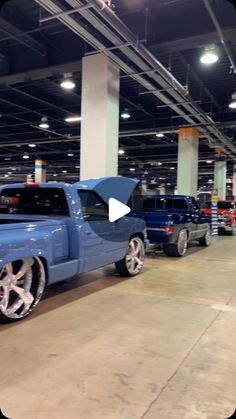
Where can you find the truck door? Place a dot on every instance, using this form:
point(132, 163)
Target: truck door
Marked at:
point(103, 241)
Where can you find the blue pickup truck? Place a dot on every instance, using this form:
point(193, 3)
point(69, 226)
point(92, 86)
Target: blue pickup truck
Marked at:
point(53, 231)
point(173, 221)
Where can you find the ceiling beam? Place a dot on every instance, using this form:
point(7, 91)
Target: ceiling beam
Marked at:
point(41, 73)
point(18, 35)
point(196, 41)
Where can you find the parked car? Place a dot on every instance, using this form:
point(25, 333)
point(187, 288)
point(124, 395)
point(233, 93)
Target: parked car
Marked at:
point(173, 221)
point(53, 231)
point(226, 213)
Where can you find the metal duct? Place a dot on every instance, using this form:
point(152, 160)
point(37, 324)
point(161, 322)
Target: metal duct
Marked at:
point(139, 56)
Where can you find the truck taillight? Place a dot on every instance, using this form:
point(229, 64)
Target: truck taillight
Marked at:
point(32, 184)
point(169, 229)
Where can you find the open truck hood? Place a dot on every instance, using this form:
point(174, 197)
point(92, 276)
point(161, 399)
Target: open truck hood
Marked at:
point(118, 187)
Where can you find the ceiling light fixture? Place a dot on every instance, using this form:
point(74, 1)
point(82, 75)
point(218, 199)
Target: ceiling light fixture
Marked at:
point(132, 169)
point(75, 118)
point(172, 168)
point(70, 155)
point(159, 135)
point(44, 123)
point(209, 56)
point(25, 156)
point(125, 114)
point(64, 171)
point(121, 152)
point(32, 145)
point(67, 83)
point(159, 164)
point(232, 104)
point(209, 161)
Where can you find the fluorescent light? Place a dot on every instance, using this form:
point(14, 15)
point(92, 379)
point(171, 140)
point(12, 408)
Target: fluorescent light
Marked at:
point(7, 158)
point(159, 135)
point(75, 118)
point(32, 145)
point(77, 167)
point(26, 156)
point(6, 176)
point(70, 154)
point(132, 169)
point(9, 173)
point(125, 115)
point(54, 174)
point(67, 83)
point(121, 152)
point(172, 168)
point(209, 161)
point(209, 56)
point(44, 123)
point(64, 171)
point(232, 104)
point(159, 164)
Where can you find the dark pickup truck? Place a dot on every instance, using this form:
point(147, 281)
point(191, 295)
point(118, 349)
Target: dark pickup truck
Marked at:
point(173, 221)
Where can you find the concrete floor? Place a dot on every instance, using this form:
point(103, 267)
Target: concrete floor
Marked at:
point(158, 346)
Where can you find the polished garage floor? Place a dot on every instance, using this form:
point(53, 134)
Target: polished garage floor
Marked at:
point(159, 346)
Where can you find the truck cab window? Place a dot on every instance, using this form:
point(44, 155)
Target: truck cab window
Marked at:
point(180, 204)
point(34, 200)
point(93, 207)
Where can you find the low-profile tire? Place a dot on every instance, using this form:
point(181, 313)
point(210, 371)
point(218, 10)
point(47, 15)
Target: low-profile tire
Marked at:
point(132, 263)
point(206, 240)
point(177, 249)
point(22, 284)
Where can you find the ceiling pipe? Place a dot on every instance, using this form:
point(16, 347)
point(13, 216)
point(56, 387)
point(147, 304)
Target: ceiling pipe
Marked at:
point(220, 34)
point(136, 58)
point(121, 28)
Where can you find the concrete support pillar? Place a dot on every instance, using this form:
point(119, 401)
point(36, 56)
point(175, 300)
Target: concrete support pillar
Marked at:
point(162, 189)
point(100, 117)
point(187, 177)
point(40, 171)
point(234, 182)
point(220, 172)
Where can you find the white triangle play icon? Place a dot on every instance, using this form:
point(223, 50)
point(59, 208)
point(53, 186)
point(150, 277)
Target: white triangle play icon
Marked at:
point(117, 210)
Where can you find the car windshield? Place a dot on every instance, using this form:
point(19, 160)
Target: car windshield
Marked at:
point(224, 205)
point(34, 200)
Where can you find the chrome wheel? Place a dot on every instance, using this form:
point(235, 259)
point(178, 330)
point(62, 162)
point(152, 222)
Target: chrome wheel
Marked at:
point(135, 256)
point(21, 287)
point(182, 242)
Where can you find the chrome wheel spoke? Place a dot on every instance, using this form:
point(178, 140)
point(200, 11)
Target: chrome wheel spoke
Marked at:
point(5, 297)
point(139, 262)
point(25, 298)
point(24, 268)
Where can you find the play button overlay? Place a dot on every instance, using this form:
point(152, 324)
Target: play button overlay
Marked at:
point(117, 210)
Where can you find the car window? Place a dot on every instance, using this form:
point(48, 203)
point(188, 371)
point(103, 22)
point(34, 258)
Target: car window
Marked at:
point(225, 205)
point(206, 205)
point(93, 207)
point(34, 200)
point(180, 204)
point(149, 204)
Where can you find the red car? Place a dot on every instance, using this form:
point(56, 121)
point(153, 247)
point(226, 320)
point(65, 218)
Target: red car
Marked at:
point(226, 216)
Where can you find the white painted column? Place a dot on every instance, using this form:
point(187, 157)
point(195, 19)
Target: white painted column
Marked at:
point(187, 177)
point(220, 172)
point(162, 189)
point(234, 182)
point(40, 171)
point(100, 117)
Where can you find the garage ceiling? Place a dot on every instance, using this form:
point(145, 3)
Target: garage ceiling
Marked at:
point(36, 50)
